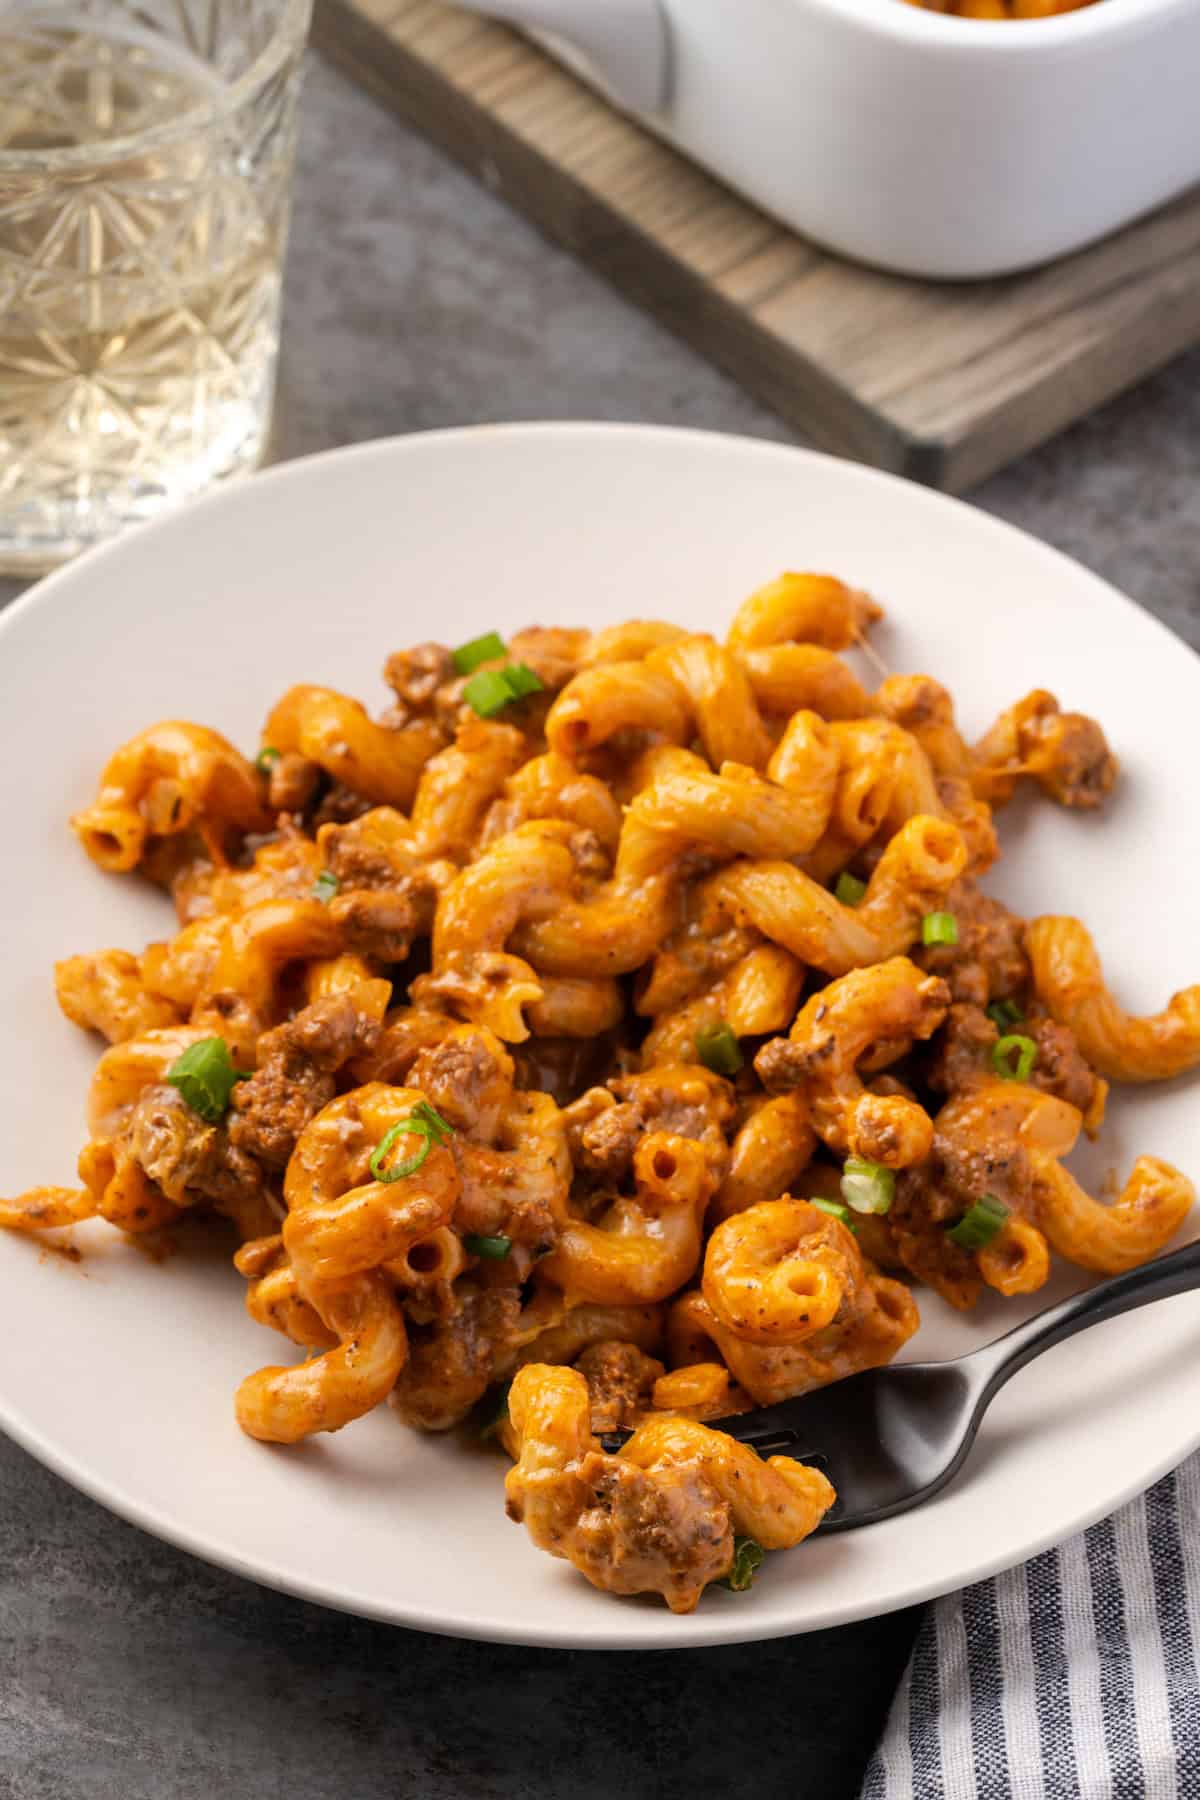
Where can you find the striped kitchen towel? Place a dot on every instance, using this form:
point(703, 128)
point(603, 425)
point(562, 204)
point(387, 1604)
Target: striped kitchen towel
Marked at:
point(1073, 1675)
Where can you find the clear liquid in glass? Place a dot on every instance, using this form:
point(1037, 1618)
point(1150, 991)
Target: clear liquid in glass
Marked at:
point(139, 292)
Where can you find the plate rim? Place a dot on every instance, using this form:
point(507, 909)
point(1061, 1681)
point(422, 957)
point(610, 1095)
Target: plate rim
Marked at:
point(694, 1631)
point(234, 491)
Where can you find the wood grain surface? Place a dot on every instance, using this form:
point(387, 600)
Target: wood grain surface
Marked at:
point(944, 382)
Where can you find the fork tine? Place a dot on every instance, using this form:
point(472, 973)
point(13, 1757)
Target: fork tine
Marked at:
point(771, 1430)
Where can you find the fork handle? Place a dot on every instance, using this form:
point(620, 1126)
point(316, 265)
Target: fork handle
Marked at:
point(1178, 1273)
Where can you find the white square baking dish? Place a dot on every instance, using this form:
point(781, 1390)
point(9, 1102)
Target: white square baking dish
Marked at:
point(926, 144)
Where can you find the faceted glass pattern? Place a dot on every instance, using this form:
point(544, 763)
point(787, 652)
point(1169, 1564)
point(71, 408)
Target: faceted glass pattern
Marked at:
point(145, 154)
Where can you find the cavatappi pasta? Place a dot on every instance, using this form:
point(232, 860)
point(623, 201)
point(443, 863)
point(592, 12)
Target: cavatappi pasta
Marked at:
point(609, 1035)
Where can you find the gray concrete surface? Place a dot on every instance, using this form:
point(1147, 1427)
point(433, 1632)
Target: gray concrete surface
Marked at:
point(127, 1668)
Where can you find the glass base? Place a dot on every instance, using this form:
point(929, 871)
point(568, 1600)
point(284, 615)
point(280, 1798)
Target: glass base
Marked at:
point(77, 525)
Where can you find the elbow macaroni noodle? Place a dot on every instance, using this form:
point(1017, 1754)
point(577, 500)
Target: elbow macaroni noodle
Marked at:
point(546, 1048)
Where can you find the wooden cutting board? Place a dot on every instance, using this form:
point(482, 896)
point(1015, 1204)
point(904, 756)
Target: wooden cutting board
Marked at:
point(944, 382)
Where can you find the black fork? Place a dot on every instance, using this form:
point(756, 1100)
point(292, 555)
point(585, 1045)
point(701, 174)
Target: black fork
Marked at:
point(890, 1438)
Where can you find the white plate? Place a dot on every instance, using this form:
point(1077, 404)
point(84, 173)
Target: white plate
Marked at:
point(119, 1373)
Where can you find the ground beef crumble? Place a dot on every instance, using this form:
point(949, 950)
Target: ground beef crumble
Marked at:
point(297, 1065)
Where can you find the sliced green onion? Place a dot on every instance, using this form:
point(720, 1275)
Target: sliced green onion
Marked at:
point(494, 1248)
point(488, 692)
point(748, 1556)
point(422, 1122)
point(980, 1225)
point(491, 690)
point(1004, 1012)
point(939, 928)
point(717, 1049)
point(325, 886)
point(849, 890)
point(439, 1130)
point(497, 1414)
point(266, 759)
point(867, 1186)
point(410, 1164)
point(835, 1209)
point(206, 1077)
point(522, 680)
point(1005, 1048)
point(468, 656)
